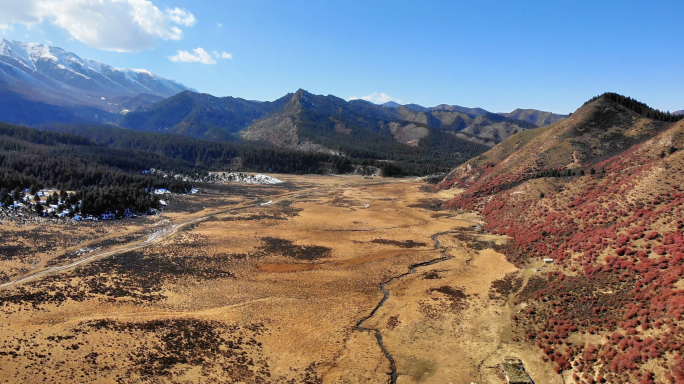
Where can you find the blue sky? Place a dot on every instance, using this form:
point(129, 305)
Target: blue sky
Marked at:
point(498, 55)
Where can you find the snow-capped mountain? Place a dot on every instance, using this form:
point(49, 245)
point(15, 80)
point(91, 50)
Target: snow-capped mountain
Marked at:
point(53, 75)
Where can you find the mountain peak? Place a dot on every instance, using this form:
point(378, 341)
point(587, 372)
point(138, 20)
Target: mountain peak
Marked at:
point(301, 95)
point(416, 107)
point(301, 92)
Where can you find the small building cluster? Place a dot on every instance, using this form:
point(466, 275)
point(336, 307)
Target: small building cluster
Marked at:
point(514, 372)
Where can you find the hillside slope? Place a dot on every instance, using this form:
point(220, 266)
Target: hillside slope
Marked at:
point(15, 108)
point(602, 194)
point(198, 115)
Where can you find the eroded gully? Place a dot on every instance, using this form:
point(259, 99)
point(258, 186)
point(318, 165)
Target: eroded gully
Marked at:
point(378, 336)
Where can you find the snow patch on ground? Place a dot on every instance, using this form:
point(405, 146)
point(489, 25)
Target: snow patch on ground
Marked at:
point(240, 177)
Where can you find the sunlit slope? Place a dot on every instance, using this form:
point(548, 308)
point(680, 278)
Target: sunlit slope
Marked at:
point(602, 194)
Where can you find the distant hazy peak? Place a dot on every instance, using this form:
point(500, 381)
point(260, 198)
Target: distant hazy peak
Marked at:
point(534, 116)
point(391, 104)
point(458, 108)
point(441, 107)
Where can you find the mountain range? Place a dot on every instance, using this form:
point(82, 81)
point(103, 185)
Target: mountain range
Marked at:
point(305, 122)
point(282, 121)
point(52, 75)
point(43, 84)
point(534, 116)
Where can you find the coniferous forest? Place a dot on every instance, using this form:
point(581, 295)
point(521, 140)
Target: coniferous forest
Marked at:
point(439, 152)
point(103, 166)
point(103, 179)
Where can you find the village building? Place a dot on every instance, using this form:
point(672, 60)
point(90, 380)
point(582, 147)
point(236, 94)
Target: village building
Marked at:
point(514, 372)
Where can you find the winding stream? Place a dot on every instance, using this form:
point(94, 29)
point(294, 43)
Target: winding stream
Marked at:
point(376, 332)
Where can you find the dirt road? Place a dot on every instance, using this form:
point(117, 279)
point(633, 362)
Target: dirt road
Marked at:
point(155, 238)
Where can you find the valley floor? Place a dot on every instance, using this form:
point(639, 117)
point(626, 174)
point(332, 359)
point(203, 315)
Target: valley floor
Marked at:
point(220, 288)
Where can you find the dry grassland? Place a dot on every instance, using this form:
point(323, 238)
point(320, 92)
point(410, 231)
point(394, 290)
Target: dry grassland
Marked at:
point(232, 291)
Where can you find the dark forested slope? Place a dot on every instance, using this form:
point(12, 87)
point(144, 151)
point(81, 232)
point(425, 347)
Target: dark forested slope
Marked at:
point(105, 179)
point(199, 115)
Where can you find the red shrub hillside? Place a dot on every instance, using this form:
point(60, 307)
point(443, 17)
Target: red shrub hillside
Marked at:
point(602, 193)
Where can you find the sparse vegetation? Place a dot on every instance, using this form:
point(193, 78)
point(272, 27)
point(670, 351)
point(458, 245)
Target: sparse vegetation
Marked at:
point(615, 237)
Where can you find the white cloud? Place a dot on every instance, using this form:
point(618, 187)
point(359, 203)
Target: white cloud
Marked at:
point(223, 55)
point(219, 25)
point(115, 25)
point(181, 16)
point(4, 28)
point(199, 55)
point(21, 11)
point(376, 97)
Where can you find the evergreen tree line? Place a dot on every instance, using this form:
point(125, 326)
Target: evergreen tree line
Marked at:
point(96, 201)
point(103, 165)
point(104, 179)
point(638, 107)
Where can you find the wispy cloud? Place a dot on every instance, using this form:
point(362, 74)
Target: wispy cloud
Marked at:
point(376, 97)
point(223, 55)
point(198, 55)
point(219, 25)
point(181, 16)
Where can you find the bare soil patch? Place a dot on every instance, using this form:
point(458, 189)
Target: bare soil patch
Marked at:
point(401, 244)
